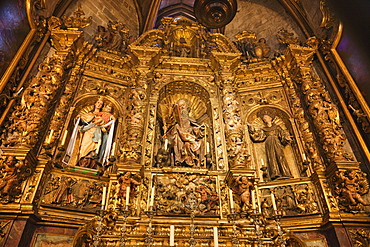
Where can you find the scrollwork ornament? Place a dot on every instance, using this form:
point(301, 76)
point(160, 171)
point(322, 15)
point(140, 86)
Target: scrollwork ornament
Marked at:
point(322, 109)
point(236, 146)
point(360, 237)
point(327, 17)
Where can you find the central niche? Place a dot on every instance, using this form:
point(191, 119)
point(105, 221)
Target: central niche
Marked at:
point(184, 127)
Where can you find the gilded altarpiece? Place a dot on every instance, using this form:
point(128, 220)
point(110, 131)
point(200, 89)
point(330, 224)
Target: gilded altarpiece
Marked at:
point(180, 134)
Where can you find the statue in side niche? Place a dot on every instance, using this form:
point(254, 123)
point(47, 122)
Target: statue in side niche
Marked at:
point(244, 187)
point(92, 137)
point(126, 180)
point(275, 139)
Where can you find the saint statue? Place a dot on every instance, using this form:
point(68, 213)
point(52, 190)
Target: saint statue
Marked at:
point(275, 139)
point(184, 135)
point(92, 136)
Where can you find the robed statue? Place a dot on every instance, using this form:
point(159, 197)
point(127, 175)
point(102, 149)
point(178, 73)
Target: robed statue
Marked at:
point(275, 138)
point(184, 136)
point(91, 140)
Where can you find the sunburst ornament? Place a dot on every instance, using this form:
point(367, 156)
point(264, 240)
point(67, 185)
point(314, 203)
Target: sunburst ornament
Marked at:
point(197, 107)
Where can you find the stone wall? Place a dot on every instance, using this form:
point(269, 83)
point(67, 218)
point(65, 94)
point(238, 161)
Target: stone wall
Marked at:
point(107, 10)
point(265, 17)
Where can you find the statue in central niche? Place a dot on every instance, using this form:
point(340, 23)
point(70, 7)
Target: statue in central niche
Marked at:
point(184, 136)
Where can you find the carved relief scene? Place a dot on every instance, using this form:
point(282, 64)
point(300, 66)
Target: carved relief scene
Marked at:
point(179, 194)
point(73, 192)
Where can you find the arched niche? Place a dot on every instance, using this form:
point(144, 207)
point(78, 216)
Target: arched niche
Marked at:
point(272, 140)
point(197, 132)
point(90, 132)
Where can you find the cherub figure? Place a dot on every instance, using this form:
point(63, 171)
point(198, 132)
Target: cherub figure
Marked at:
point(11, 177)
point(348, 187)
point(125, 180)
point(244, 187)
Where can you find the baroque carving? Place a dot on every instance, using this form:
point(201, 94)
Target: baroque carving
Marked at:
point(292, 200)
point(327, 20)
point(127, 184)
point(360, 237)
point(350, 186)
point(184, 39)
point(58, 119)
point(114, 38)
point(287, 38)
point(242, 187)
point(72, 192)
point(131, 148)
point(303, 125)
point(24, 123)
point(252, 50)
point(175, 191)
point(236, 147)
point(323, 111)
point(13, 172)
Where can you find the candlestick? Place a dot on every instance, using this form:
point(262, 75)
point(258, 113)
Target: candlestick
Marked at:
point(258, 199)
point(172, 235)
point(273, 201)
point(64, 137)
point(48, 141)
point(165, 144)
point(215, 236)
point(253, 200)
point(208, 147)
point(103, 197)
point(113, 149)
point(262, 162)
point(231, 200)
point(152, 197)
point(127, 195)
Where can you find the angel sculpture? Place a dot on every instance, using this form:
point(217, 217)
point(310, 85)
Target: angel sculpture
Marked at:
point(11, 176)
point(244, 187)
point(275, 139)
point(349, 187)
